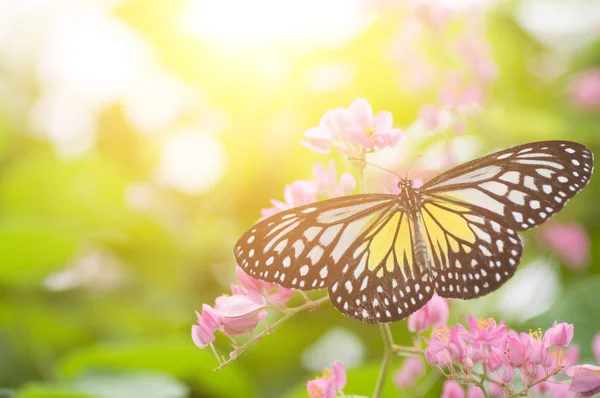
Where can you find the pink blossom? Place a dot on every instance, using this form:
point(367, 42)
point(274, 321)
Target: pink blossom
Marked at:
point(353, 131)
point(209, 321)
point(483, 331)
point(456, 92)
point(596, 347)
point(476, 55)
point(327, 184)
point(474, 392)
point(295, 194)
point(202, 336)
point(516, 352)
point(430, 116)
point(412, 369)
point(584, 91)
point(434, 313)
point(445, 346)
point(326, 135)
point(257, 290)
point(370, 132)
point(452, 389)
point(508, 374)
point(537, 348)
point(495, 359)
point(559, 334)
point(586, 380)
point(239, 314)
point(328, 385)
point(569, 240)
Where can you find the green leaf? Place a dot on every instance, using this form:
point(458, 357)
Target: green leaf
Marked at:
point(577, 305)
point(109, 385)
point(175, 356)
point(138, 384)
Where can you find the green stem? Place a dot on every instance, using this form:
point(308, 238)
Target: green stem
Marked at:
point(388, 354)
point(290, 312)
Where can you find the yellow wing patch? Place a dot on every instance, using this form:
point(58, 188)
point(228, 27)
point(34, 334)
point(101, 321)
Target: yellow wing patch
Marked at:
point(453, 222)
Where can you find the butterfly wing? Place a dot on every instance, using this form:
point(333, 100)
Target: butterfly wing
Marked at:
point(303, 247)
point(382, 279)
point(519, 187)
point(470, 254)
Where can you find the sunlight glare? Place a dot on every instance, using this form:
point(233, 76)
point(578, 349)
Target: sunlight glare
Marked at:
point(192, 161)
point(267, 22)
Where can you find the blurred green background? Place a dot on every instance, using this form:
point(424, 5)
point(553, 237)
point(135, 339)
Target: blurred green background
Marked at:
point(139, 140)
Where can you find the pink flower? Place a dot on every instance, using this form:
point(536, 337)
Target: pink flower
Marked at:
point(327, 134)
point(209, 321)
point(430, 116)
point(516, 352)
point(483, 331)
point(476, 55)
point(569, 240)
point(586, 380)
point(434, 313)
point(256, 289)
point(295, 194)
point(537, 348)
point(239, 314)
point(474, 392)
point(584, 91)
point(596, 347)
point(328, 385)
point(353, 131)
point(202, 336)
point(412, 369)
point(445, 346)
point(456, 92)
point(452, 390)
point(559, 334)
point(327, 184)
point(371, 132)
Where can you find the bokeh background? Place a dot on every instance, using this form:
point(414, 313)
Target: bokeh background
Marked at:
point(139, 139)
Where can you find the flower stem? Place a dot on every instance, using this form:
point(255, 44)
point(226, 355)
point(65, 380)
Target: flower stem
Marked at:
point(290, 312)
point(388, 353)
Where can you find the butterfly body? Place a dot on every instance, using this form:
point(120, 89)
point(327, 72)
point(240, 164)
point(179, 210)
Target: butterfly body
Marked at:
point(383, 256)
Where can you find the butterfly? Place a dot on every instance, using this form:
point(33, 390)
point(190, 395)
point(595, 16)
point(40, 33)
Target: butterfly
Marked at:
point(383, 256)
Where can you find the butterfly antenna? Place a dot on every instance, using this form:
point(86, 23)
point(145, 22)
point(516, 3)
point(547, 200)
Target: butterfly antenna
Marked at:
point(411, 165)
point(374, 165)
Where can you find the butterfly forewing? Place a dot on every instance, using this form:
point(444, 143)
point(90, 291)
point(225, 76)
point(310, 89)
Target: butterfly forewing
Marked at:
point(520, 187)
point(381, 278)
point(302, 247)
point(471, 255)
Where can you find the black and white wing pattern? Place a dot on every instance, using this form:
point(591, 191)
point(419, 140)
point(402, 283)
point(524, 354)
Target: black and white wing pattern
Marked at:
point(360, 247)
point(519, 187)
point(302, 247)
point(381, 278)
point(470, 254)
point(472, 213)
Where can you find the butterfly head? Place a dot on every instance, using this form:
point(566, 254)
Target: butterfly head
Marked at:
point(408, 193)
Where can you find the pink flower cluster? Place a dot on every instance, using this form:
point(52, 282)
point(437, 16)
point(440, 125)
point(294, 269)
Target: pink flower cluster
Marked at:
point(328, 385)
point(353, 131)
point(466, 49)
point(239, 313)
point(535, 357)
point(584, 91)
point(302, 192)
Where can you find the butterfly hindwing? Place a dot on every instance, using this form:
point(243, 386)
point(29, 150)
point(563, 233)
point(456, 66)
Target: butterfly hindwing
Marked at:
point(520, 187)
point(471, 255)
point(301, 247)
point(381, 280)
